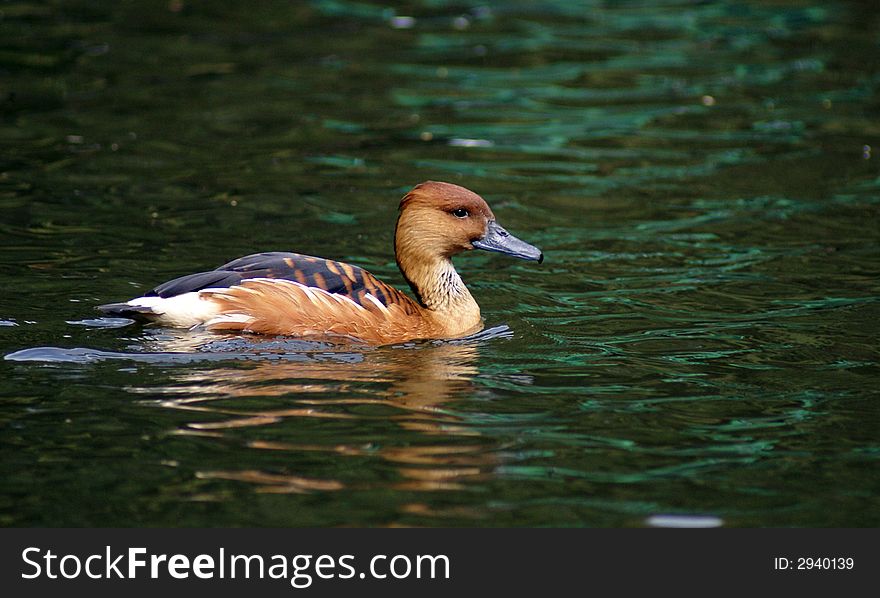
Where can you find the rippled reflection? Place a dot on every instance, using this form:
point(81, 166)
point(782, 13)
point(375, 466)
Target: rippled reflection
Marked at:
point(406, 386)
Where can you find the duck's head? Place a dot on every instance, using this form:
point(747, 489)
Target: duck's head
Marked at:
point(441, 219)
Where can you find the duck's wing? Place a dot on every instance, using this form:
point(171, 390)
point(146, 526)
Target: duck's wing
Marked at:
point(286, 307)
point(333, 277)
point(280, 293)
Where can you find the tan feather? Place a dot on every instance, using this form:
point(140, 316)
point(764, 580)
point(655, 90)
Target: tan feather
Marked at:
point(284, 307)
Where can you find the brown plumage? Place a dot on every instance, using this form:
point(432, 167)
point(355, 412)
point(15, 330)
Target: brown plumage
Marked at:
point(298, 295)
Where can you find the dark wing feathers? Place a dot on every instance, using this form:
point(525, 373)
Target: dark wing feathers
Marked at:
point(195, 282)
point(331, 276)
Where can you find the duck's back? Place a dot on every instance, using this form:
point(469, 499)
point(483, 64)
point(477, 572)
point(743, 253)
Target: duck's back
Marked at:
point(334, 277)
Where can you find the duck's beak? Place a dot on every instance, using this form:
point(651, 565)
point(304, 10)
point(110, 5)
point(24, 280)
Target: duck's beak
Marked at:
point(498, 239)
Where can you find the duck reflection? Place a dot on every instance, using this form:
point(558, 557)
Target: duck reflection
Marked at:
point(276, 383)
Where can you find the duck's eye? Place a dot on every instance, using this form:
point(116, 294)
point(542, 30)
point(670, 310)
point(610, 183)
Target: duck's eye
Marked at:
point(460, 213)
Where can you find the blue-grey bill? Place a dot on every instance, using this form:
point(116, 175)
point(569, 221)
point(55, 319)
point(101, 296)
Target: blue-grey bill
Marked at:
point(498, 239)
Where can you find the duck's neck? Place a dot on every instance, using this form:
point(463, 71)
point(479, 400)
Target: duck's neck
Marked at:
point(439, 289)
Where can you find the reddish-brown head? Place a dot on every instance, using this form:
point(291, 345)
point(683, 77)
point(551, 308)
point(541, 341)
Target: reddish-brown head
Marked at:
point(438, 220)
point(441, 219)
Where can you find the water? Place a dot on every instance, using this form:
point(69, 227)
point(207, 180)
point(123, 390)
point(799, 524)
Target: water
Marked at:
point(698, 349)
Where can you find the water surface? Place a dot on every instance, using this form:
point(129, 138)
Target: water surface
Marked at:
point(700, 344)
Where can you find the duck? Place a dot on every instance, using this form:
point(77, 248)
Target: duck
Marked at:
point(290, 294)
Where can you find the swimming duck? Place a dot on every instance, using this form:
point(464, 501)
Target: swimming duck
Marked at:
point(282, 293)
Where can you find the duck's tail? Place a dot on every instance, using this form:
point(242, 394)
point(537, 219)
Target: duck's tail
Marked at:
point(126, 310)
point(185, 311)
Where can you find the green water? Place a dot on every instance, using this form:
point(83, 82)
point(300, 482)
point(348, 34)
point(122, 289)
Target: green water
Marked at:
point(701, 341)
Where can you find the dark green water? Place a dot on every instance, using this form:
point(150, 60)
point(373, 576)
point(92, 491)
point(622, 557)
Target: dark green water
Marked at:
point(702, 339)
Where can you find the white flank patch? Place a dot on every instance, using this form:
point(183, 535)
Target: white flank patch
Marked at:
point(186, 310)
